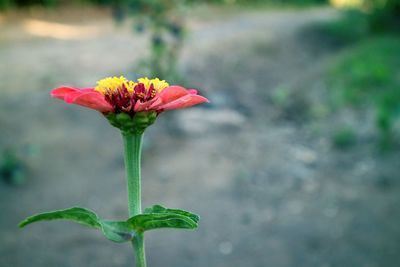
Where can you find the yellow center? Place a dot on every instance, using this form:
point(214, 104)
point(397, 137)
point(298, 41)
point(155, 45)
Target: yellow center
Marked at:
point(114, 84)
point(158, 84)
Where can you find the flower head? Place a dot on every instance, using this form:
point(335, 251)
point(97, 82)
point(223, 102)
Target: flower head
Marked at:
point(115, 95)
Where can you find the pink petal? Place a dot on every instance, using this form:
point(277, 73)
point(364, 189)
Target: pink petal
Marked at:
point(140, 106)
point(183, 102)
point(93, 100)
point(172, 93)
point(86, 97)
point(62, 91)
point(156, 104)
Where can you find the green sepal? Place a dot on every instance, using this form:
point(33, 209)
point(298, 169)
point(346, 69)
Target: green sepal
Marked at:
point(159, 217)
point(132, 124)
point(117, 231)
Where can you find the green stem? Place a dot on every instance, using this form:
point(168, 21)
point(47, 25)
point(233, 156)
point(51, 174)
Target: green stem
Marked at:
point(138, 247)
point(132, 148)
point(133, 145)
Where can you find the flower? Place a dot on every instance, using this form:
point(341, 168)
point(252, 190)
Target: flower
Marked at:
point(130, 106)
point(117, 94)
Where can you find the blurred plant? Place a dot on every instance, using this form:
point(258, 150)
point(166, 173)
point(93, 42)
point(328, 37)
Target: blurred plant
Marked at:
point(380, 15)
point(351, 26)
point(14, 3)
point(388, 110)
point(12, 167)
point(384, 15)
point(369, 74)
point(280, 96)
point(164, 22)
point(344, 138)
point(5, 4)
point(131, 107)
point(264, 2)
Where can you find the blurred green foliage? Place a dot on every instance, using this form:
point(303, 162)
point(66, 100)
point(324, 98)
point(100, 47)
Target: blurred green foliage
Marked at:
point(369, 74)
point(344, 138)
point(4, 4)
point(12, 168)
point(264, 2)
point(384, 15)
point(164, 21)
point(368, 17)
point(351, 26)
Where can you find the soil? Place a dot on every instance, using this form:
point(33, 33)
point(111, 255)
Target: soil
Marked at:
point(256, 163)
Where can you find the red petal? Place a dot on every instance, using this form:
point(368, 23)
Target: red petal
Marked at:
point(94, 100)
point(172, 93)
point(62, 91)
point(141, 106)
point(86, 97)
point(183, 102)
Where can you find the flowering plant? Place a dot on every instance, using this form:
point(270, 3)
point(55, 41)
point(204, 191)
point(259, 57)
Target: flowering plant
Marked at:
point(131, 107)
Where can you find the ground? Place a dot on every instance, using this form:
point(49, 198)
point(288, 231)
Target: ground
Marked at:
point(255, 164)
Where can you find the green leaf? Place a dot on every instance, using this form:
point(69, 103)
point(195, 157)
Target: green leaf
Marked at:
point(122, 231)
point(117, 231)
point(75, 214)
point(161, 209)
point(160, 217)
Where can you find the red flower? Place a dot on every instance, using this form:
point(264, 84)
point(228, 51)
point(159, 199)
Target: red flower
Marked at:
point(116, 95)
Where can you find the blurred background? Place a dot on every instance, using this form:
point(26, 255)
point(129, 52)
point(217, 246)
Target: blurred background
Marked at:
point(294, 163)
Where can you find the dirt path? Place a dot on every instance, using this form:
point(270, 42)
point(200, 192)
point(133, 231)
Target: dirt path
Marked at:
point(271, 191)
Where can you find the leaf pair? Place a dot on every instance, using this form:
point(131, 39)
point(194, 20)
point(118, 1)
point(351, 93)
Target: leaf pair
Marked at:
point(121, 231)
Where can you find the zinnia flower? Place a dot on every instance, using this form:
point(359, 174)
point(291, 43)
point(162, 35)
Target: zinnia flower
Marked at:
point(130, 106)
point(117, 94)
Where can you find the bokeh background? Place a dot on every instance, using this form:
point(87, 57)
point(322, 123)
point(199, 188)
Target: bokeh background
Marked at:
point(294, 163)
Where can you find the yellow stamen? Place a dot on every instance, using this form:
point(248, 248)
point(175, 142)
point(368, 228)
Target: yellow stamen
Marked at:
point(113, 84)
point(158, 84)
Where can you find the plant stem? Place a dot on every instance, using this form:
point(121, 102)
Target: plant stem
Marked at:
point(138, 247)
point(133, 148)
